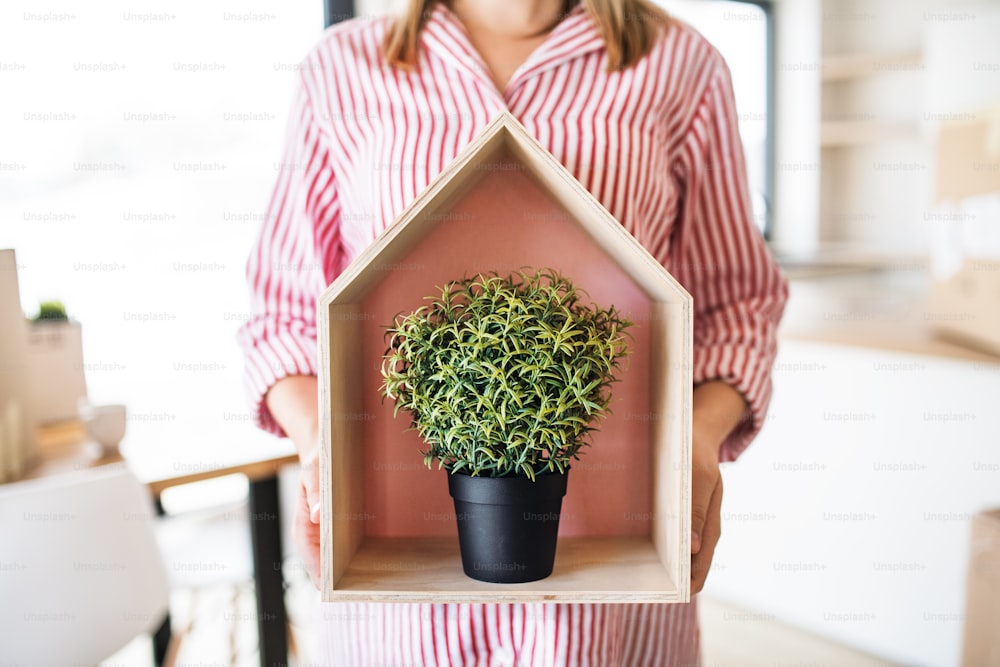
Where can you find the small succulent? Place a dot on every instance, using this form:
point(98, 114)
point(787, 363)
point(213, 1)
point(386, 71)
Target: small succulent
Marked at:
point(504, 375)
point(51, 311)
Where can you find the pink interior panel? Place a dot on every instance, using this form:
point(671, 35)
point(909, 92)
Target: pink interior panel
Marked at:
point(507, 222)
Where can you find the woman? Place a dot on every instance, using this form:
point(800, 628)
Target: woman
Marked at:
point(639, 107)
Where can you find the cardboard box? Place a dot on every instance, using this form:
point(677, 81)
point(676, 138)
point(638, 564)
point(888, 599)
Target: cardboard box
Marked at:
point(388, 522)
point(57, 379)
point(981, 645)
point(965, 305)
point(968, 156)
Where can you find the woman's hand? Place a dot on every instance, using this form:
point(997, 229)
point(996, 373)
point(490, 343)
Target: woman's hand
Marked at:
point(306, 524)
point(716, 409)
point(293, 403)
point(706, 508)
point(309, 480)
point(307, 511)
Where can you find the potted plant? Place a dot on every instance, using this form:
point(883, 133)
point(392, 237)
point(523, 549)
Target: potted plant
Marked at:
point(505, 378)
point(51, 311)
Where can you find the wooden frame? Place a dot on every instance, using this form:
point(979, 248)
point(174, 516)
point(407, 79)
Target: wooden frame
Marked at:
point(627, 531)
point(17, 444)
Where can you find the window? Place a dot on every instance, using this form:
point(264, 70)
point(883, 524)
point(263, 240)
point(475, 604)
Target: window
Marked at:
point(139, 149)
point(741, 30)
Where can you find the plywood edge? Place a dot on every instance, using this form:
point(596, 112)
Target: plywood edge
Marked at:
point(671, 389)
point(662, 475)
point(686, 326)
point(325, 453)
point(343, 420)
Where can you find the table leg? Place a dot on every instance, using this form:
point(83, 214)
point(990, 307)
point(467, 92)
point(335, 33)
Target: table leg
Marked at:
point(161, 641)
point(265, 531)
point(161, 638)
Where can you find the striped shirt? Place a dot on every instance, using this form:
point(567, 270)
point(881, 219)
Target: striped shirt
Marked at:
point(657, 144)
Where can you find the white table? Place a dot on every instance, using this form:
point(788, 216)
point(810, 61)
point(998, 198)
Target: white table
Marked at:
point(164, 456)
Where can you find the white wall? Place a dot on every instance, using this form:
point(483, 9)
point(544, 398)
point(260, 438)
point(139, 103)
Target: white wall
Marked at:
point(849, 517)
point(877, 195)
point(963, 61)
point(797, 114)
point(107, 110)
point(378, 7)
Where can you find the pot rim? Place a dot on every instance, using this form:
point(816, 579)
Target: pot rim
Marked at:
point(510, 490)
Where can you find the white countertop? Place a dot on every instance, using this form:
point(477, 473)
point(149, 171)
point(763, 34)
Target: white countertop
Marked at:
point(878, 309)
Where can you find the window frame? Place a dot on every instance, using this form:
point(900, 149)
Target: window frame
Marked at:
point(767, 6)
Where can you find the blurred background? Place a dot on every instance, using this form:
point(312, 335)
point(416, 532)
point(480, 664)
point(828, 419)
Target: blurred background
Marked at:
point(139, 142)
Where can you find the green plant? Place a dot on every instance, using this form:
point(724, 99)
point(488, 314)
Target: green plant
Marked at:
point(51, 311)
point(504, 376)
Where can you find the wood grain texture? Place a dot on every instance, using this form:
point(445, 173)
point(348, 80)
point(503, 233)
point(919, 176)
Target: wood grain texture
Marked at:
point(65, 447)
point(253, 470)
point(342, 420)
point(323, 410)
point(428, 569)
point(670, 405)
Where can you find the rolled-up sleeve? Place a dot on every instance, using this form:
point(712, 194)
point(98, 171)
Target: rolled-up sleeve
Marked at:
point(720, 256)
point(297, 249)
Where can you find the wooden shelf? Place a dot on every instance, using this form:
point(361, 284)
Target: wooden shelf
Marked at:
point(852, 133)
point(635, 480)
point(587, 569)
point(855, 66)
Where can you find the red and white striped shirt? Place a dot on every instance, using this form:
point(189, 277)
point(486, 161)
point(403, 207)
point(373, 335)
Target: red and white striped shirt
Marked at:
point(657, 144)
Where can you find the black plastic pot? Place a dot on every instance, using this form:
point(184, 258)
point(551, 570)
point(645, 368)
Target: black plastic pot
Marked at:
point(507, 526)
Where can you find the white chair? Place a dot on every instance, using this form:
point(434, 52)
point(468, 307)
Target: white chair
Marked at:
point(80, 571)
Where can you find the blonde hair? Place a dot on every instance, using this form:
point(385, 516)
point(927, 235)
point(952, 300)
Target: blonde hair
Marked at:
point(629, 28)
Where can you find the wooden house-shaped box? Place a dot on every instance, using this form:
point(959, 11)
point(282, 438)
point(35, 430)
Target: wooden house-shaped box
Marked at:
point(389, 531)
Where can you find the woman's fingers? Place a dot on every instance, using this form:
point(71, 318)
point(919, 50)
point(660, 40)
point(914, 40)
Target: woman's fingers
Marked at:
point(701, 561)
point(306, 533)
point(310, 482)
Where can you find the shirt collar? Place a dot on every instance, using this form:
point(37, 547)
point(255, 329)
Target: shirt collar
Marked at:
point(576, 35)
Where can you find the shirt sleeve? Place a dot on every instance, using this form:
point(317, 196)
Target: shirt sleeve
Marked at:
point(295, 253)
point(721, 258)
